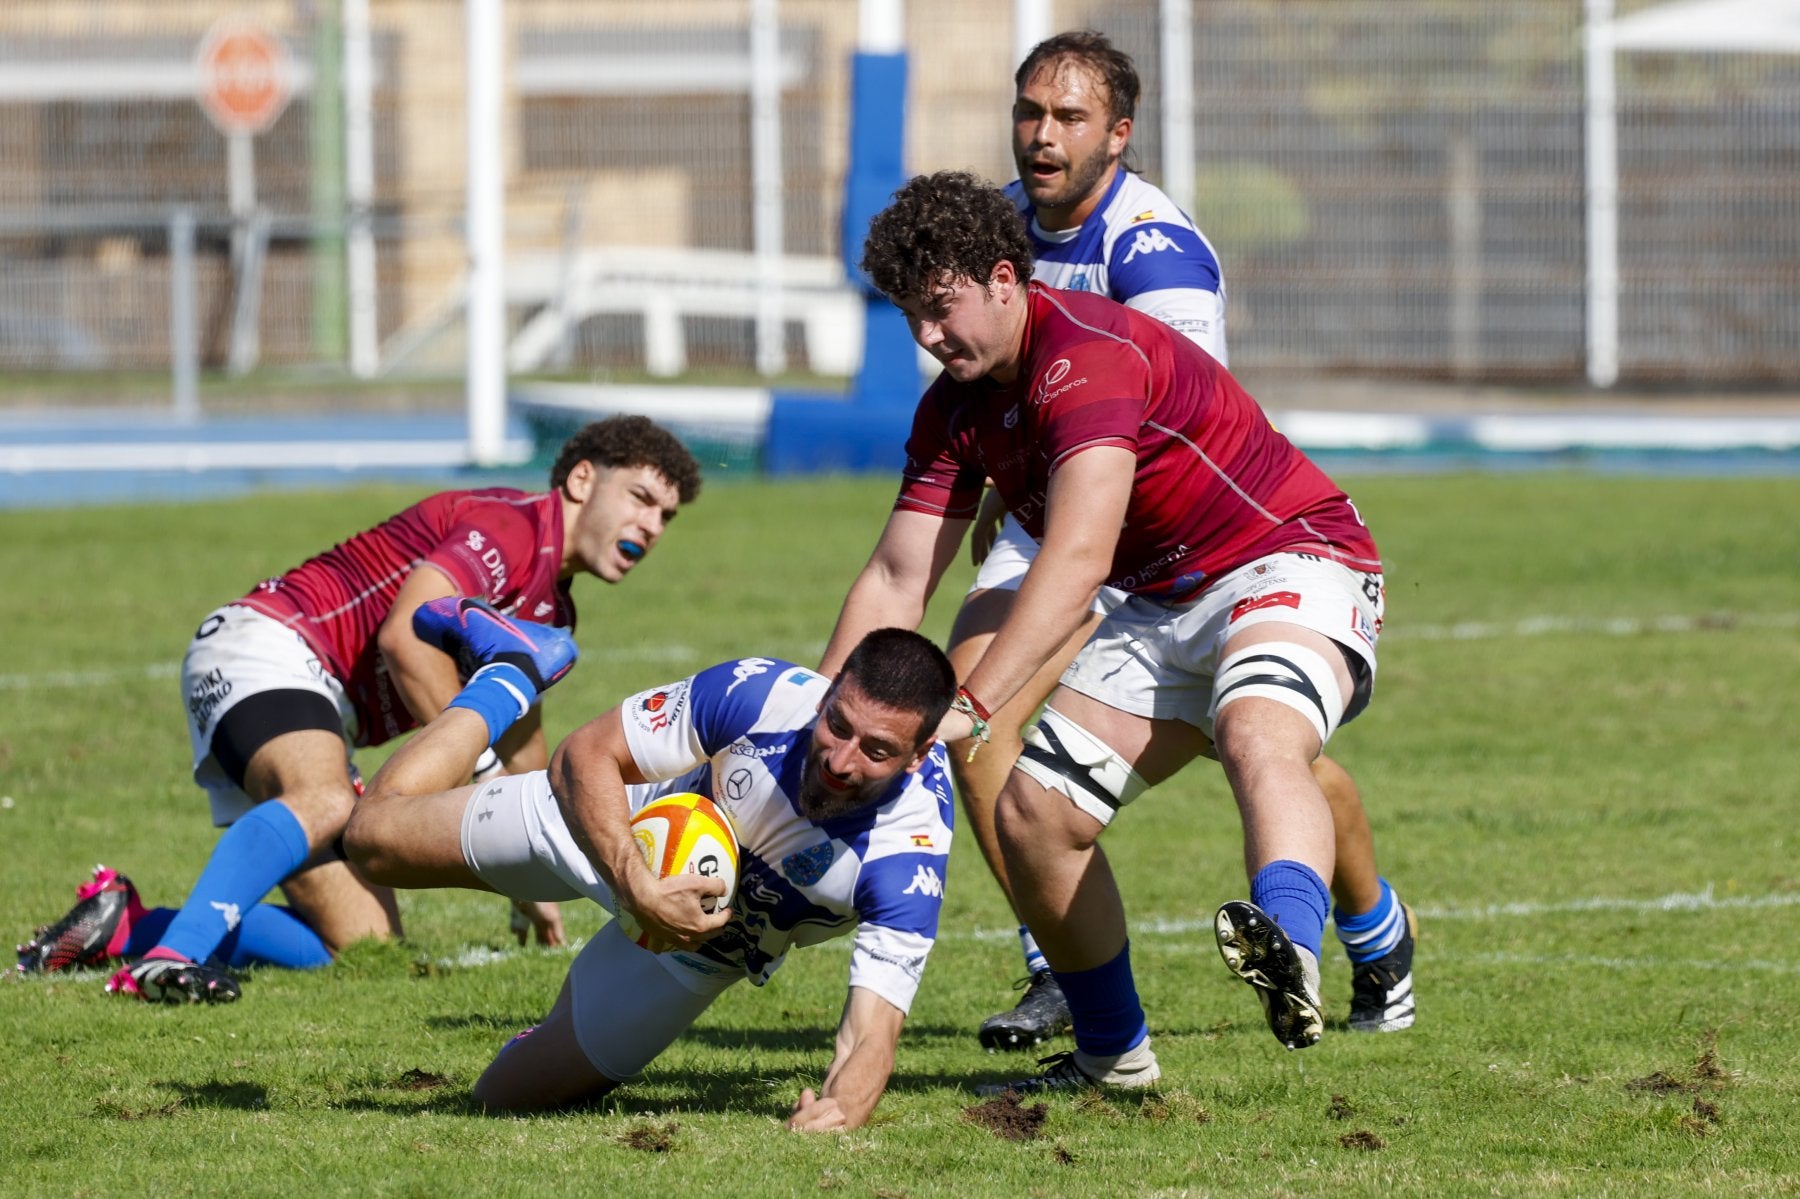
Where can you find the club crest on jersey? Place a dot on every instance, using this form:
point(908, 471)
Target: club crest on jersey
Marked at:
point(809, 865)
point(659, 709)
point(1011, 419)
point(1150, 241)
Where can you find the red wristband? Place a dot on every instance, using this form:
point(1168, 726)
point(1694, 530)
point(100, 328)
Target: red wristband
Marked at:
point(974, 703)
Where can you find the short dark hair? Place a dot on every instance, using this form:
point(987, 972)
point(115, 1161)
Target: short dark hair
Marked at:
point(898, 668)
point(630, 441)
point(1091, 49)
point(941, 228)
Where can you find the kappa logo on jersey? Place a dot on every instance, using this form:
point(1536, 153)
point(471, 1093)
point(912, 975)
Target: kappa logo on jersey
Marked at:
point(809, 865)
point(230, 913)
point(1274, 599)
point(476, 541)
point(747, 669)
point(925, 882)
point(1150, 241)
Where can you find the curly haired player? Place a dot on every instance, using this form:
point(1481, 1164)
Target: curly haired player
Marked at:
point(1254, 599)
point(281, 685)
point(1095, 226)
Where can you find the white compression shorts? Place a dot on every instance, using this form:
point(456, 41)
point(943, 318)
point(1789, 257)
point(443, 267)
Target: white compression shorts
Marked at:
point(237, 653)
point(1012, 553)
point(629, 1004)
point(1158, 660)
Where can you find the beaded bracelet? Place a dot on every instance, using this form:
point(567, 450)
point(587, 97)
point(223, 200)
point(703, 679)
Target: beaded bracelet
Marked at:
point(966, 703)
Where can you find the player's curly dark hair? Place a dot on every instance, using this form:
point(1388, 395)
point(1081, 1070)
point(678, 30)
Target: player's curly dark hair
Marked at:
point(900, 669)
point(1091, 49)
point(630, 441)
point(942, 228)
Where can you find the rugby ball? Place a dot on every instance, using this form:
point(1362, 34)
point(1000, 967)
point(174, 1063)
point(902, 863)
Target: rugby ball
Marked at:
point(684, 834)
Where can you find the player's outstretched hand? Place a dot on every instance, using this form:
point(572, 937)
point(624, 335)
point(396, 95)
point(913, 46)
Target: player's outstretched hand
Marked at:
point(476, 635)
point(813, 1114)
point(542, 919)
point(672, 911)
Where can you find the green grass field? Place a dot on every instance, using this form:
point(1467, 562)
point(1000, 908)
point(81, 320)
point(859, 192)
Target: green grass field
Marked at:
point(1581, 765)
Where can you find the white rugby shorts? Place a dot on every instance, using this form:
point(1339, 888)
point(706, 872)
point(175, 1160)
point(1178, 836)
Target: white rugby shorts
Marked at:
point(1157, 660)
point(236, 653)
point(1011, 555)
point(629, 1005)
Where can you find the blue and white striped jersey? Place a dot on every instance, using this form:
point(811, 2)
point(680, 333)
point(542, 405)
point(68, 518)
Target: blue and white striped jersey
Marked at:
point(740, 732)
point(1140, 249)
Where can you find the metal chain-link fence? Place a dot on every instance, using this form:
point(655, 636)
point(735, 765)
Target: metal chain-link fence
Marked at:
point(1394, 186)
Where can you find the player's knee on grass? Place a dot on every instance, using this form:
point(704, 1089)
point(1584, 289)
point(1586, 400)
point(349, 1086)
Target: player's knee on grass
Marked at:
point(341, 906)
point(540, 1069)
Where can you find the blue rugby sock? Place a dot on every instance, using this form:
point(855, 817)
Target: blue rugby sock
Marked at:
point(1109, 1019)
point(1296, 898)
point(268, 935)
point(272, 935)
point(1035, 961)
point(145, 933)
point(500, 694)
point(1375, 932)
point(252, 858)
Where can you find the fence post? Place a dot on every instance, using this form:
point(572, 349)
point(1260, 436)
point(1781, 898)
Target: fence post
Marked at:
point(184, 344)
point(486, 384)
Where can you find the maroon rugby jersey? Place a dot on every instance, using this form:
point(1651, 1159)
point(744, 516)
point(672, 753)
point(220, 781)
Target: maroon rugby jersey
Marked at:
point(1216, 485)
point(502, 545)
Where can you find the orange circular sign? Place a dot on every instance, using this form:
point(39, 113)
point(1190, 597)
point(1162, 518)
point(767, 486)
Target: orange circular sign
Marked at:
point(243, 76)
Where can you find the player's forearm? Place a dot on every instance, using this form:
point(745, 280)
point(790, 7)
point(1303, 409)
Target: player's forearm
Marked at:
point(877, 600)
point(857, 1079)
point(424, 677)
point(1054, 601)
point(590, 792)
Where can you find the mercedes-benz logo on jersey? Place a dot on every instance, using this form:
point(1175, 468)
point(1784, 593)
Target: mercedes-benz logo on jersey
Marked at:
point(737, 784)
point(1056, 373)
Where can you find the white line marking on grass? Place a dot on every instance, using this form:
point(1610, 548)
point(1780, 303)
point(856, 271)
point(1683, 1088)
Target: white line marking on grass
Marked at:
point(1617, 626)
point(169, 670)
point(1704, 900)
point(88, 678)
point(1638, 963)
point(1473, 630)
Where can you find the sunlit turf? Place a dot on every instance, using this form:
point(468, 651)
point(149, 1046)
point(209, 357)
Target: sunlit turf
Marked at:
point(1580, 764)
